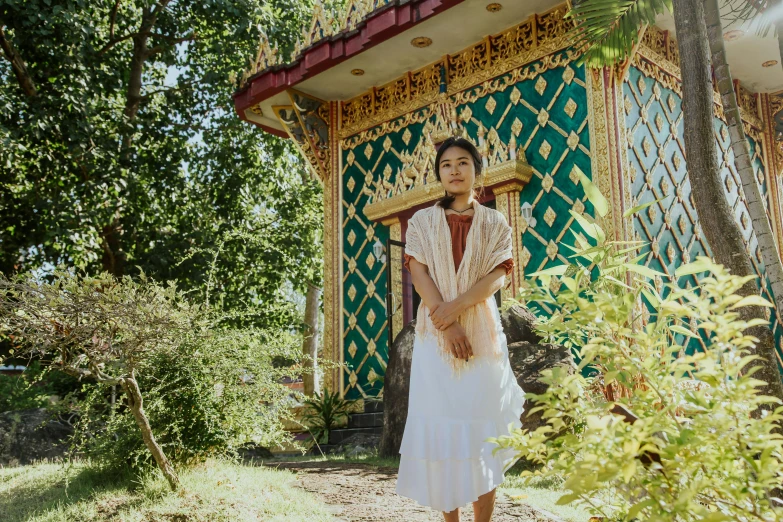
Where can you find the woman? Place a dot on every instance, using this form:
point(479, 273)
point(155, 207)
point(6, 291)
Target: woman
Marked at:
point(462, 388)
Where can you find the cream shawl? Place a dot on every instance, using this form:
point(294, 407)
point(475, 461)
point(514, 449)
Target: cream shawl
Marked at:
point(488, 244)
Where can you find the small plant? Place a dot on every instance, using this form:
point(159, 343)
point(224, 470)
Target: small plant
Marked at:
point(324, 412)
point(658, 431)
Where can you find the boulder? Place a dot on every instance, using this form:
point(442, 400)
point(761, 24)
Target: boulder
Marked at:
point(529, 357)
point(358, 444)
point(518, 325)
point(528, 360)
point(395, 391)
point(252, 451)
point(30, 435)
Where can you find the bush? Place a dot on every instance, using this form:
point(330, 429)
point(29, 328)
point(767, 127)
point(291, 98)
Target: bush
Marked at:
point(171, 374)
point(207, 398)
point(34, 388)
point(656, 432)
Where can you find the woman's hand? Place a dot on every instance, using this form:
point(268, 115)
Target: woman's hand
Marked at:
point(445, 313)
point(457, 342)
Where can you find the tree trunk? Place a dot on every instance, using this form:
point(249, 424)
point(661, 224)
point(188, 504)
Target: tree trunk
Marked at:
point(113, 255)
point(758, 215)
point(310, 343)
point(131, 388)
point(17, 64)
point(718, 224)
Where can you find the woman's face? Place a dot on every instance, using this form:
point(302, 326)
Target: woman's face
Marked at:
point(457, 171)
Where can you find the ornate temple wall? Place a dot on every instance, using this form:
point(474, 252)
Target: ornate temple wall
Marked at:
point(536, 100)
point(518, 91)
point(652, 118)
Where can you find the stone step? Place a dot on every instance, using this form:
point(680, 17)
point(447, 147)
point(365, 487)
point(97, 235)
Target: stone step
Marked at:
point(365, 420)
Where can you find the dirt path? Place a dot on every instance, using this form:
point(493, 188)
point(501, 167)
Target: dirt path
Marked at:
point(367, 493)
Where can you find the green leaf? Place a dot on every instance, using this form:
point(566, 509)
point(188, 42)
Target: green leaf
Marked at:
point(637, 208)
point(567, 499)
point(694, 267)
point(643, 270)
point(600, 203)
point(751, 300)
point(684, 331)
point(557, 270)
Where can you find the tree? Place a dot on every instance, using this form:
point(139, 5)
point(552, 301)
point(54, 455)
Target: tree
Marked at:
point(99, 329)
point(610, 31)
point(649, 431)
point(121, 147)
point(761, 226)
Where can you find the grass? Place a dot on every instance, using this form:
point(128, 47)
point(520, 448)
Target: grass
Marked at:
point(215, 491)
point(542, 493)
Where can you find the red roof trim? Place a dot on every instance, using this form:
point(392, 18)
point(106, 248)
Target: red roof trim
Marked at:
point(325, 54)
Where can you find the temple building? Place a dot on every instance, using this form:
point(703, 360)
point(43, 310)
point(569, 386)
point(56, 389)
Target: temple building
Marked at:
point(368, 95)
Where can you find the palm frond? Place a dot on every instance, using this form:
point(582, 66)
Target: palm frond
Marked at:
point(609, 29)
point(760, 13)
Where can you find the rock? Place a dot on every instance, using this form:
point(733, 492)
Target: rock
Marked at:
point(30, 435)
point(528, 360)
point(252, 451)
point(518, 325)
point(358, 444)
point(395, 391)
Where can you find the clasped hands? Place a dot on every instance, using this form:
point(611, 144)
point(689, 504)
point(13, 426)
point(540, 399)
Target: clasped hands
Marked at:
point(444, 317)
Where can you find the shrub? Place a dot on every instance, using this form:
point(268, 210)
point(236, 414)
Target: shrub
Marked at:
point(324, 411)
point(207, 398)
point(656, 432)
point(192, 385)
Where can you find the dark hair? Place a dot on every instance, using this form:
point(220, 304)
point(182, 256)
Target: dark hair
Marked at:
point(462, 143)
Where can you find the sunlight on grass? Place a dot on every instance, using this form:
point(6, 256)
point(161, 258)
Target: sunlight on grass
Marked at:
point(216, 491)
point(541, 494)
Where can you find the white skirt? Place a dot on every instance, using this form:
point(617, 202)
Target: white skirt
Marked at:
point(445, 461)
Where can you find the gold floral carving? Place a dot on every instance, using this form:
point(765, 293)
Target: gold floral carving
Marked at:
point(531, 40)
point(395, 233)
point(468, 96)
point(658, 58)
point(602, 172)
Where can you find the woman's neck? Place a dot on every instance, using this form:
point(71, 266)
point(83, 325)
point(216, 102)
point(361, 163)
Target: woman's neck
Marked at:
point(462, 201)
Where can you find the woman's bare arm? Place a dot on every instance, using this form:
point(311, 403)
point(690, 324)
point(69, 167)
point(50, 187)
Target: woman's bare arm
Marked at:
point(425, 286)
point(483, 289)
point(447, 313)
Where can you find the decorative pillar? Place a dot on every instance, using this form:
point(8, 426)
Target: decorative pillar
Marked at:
point(772, 166)
point(394, 256)
point(333, 317)
point(608, 149)
point(507, 203)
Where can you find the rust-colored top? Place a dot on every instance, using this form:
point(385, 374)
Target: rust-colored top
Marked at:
point(459, 226)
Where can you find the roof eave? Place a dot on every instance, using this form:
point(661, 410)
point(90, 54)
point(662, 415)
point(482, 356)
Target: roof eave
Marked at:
point(378, 27)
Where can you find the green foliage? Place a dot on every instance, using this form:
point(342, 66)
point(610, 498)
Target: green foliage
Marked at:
point(609, 29)
point(217, 391)
point(92, 180)
point(696, 444)
point(33, 388)
point(324, 411)
point(208, 385)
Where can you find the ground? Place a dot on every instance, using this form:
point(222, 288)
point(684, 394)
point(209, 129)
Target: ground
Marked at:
point(290, 489)
point(364, 492)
